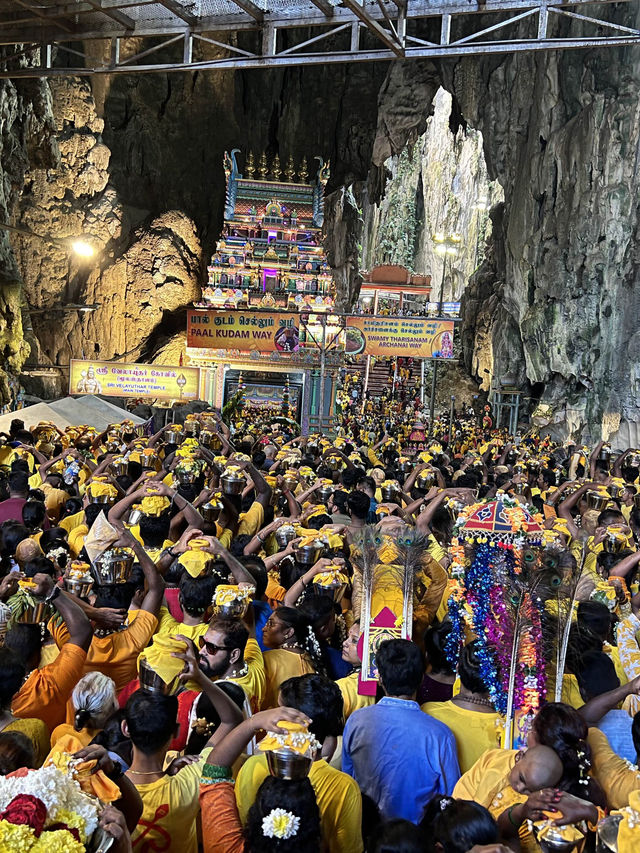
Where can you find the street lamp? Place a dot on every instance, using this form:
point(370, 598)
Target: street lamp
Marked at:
point(447, 246)
point(79, 246)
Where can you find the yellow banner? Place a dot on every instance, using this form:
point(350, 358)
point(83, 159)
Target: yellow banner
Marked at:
point(257, 331)
point(406, 337)
point(112, 379)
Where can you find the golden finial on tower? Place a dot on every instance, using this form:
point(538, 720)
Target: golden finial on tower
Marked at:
point(303, 175)
point(250, 166)
point(276, 169)
point(290, 172)
point(262, 167)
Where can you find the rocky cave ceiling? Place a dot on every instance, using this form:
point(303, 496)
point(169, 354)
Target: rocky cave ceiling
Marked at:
point(137, 161)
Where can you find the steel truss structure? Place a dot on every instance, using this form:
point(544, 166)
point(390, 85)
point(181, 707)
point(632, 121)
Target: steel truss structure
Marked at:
point(176, 35)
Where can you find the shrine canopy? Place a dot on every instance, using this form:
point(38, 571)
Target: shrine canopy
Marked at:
point(501, 520)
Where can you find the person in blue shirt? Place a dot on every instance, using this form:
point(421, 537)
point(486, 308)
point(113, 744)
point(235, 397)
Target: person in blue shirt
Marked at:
point(399, 756)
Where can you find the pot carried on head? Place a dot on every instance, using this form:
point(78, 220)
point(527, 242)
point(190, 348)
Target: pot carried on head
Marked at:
point(152, 683)
point(113, 567)
point(232, 482)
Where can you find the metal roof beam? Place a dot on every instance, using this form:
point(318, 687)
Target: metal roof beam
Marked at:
point(116, 14)
point(251, 9)
point(325, 7)
point(496, 48)
point(385, 36)
point(179, 11)
point(40, 14)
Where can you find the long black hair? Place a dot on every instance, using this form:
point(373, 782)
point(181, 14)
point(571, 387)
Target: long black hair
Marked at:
point(302, 632)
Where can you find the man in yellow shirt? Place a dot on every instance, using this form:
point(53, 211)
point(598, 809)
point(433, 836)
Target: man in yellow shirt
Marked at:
point(338, 796)
point(470, 715)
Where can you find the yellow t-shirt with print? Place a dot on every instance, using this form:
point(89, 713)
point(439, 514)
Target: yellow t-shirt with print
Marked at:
point(170, 807)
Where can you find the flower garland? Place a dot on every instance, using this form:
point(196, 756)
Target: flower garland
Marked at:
point(45, 811)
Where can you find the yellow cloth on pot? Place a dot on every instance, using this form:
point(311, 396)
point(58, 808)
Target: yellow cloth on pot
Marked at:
point(292, 736)
point(230, 593)
point(195, 560)
point(99, 489)
point(154, 504)
point(93, 782)
point(331, 576)
point(629, 830)
point(159, 657)
point(319, 510)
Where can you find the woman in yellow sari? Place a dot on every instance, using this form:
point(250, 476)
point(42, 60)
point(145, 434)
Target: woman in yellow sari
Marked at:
point(289, 640)
point(561, 728)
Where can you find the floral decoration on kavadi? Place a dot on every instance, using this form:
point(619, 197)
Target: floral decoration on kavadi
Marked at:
point(495, 594)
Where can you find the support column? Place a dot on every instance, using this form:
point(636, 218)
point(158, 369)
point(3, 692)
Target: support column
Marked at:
point(305, 407)
point(432, 402)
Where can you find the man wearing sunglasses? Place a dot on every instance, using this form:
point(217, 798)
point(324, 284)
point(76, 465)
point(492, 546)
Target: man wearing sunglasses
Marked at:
point(229, 652)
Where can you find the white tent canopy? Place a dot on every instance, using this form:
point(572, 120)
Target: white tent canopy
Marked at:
point(69, 411)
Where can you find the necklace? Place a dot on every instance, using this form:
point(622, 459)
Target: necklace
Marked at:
point(147, 772)
point(474, 700)
point(292, 647)
point(240, 673)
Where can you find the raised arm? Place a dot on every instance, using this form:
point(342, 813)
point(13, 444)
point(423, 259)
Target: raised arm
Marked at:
point(236, 568)
point(120, 509)
point(229, 713)
point(595, 709)
point(227, 752)
point(564, 510)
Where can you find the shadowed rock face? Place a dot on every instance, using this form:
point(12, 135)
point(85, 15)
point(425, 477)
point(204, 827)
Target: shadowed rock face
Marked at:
point(555, 303)
point(136, 163)
point(558, 300)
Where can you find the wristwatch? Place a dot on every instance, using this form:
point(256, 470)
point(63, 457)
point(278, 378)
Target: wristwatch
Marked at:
point(169, 551)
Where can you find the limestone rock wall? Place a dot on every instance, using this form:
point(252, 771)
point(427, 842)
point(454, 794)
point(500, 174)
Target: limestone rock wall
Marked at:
point(562, 134)
point(145, 268)
point(437, 184)
point(27, 139)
